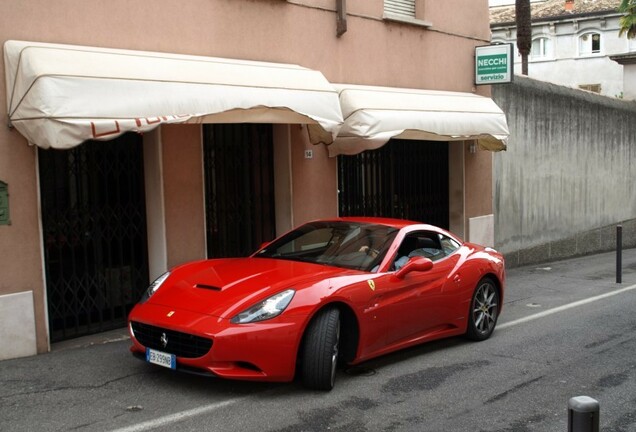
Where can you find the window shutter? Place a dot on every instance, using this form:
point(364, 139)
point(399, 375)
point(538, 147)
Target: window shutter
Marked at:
point(400, 7)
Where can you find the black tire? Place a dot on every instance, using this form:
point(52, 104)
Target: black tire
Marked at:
point(320, 350)
point(484, 310)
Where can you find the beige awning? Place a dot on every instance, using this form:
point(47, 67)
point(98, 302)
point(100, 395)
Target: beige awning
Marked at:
point(374, 115)
point(61, 95)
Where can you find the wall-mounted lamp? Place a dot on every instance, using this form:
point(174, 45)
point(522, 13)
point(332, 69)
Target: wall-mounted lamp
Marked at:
point(472, 148)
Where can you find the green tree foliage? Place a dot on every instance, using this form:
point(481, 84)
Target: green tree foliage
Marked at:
point(628, 21)
point(524, 31)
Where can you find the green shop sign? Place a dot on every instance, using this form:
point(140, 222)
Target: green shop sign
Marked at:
point(493, 64)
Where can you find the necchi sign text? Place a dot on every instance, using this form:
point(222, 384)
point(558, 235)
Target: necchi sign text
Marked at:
point(493, 64)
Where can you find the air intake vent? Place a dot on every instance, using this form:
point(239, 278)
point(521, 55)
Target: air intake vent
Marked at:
point(208, 287)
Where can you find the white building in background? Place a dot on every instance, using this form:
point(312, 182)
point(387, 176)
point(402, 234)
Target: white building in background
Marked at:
point(628, 61)
point(572, 41)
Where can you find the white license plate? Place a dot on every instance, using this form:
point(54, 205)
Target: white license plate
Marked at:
point(161, 358)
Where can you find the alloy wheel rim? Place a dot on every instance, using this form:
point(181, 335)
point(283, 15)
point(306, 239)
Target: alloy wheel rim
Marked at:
point(485, 308)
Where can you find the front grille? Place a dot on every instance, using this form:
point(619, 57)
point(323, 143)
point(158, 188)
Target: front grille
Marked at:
point(178, 343)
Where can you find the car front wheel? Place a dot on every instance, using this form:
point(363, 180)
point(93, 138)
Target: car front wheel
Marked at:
point(484, 310)
point(320, 350)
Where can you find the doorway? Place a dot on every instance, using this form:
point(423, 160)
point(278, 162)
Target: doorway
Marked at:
point(403, 179)
point(239, 188)
point(94, 232)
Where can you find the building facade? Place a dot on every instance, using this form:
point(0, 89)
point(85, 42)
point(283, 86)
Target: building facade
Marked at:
point(141, 135)
point(628, 62)
point(572, 41)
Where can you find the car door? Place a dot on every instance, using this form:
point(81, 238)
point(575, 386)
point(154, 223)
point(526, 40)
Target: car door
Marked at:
point(420, 303)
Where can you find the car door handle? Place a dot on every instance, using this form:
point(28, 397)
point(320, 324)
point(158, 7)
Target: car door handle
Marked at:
point(457, 278)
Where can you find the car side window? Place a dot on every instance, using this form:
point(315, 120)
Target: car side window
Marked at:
point(424, 243)
point(449, 245)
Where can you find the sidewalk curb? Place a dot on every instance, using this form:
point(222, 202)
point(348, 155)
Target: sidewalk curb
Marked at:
point(111, 336)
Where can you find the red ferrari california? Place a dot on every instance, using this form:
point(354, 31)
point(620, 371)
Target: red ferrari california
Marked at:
point(329, 292)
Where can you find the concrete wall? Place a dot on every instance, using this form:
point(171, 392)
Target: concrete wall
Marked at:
point(568, 175)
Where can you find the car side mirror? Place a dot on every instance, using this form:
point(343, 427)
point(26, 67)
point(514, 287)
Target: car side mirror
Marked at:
point(419, 264)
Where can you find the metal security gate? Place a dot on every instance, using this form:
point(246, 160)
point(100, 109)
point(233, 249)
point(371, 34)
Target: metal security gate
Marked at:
point(403, 179)
point(239, 188)
point(94, 229)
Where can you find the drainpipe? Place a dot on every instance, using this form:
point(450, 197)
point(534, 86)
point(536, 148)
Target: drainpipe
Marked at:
point(341, 17)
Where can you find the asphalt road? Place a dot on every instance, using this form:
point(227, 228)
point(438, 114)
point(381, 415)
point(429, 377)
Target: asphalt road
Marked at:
point(567, 330)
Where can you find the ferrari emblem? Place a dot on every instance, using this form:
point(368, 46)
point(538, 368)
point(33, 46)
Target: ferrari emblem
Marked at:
point(164, 340)
point(170, 314)
point(371, 285)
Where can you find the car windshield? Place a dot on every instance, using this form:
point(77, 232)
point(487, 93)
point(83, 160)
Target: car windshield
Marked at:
point(351, 245)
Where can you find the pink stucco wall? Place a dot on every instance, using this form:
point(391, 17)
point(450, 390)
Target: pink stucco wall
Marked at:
point(183, 192)
point(314, 193)
point(303, 32)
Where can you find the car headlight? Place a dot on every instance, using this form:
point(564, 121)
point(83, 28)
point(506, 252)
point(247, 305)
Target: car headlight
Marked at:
point(267, 309)
point(154, 287)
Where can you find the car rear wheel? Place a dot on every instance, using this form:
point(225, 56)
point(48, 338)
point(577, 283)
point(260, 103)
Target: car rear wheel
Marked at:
point(484, 310)
point(320, 350)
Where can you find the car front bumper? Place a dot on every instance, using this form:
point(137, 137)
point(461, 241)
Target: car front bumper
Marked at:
point(263, 351)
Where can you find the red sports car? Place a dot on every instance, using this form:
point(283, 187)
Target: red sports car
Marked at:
point(328, 292)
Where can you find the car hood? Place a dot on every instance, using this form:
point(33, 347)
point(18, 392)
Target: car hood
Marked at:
point(225, 287)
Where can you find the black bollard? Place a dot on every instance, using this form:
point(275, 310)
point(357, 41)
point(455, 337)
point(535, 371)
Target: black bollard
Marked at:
point(583, 414)
point(619, 253)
